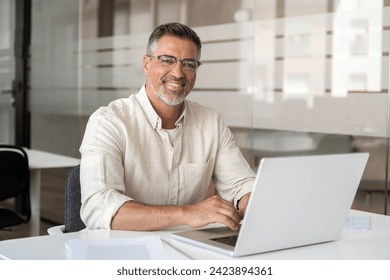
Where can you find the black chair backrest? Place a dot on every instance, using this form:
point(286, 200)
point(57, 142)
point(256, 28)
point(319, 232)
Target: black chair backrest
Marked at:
point(15, 178)
point(73, 220)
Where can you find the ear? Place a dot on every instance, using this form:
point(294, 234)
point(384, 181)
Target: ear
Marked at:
point(146, 62)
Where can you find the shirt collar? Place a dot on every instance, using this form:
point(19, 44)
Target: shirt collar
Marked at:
point(151, 115)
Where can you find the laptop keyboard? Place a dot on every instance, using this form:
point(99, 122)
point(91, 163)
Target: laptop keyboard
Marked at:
point(228, 240)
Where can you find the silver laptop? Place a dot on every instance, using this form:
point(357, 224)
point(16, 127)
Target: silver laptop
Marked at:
point(295, 201)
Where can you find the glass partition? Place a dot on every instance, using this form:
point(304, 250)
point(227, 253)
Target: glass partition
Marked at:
point(7, 71)
point(55, 77)
point(289, 77)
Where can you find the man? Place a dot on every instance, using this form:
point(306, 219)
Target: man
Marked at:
point(147, 160)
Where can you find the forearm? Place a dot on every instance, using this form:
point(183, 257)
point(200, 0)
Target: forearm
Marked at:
point(133, 215)
point(243, 203)
point(137, 216)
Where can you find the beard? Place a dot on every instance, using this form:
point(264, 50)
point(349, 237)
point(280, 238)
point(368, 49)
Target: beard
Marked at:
point(172, 96)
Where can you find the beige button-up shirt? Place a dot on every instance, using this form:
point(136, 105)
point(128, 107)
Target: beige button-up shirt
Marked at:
point(127, 155)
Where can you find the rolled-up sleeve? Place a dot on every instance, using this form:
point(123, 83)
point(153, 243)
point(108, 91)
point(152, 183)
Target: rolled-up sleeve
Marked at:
point(233, 176)
point(101, 172)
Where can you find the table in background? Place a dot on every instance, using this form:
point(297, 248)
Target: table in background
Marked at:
point(39, 160)
point(354, 244)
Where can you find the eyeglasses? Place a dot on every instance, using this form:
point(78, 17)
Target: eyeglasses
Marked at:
point(169, 62)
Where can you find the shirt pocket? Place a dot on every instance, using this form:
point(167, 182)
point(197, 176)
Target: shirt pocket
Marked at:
point(195, 180)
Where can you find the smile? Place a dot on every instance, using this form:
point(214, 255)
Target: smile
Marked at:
point(175, 84)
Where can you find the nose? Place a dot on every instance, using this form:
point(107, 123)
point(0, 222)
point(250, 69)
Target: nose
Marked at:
point(177, 71)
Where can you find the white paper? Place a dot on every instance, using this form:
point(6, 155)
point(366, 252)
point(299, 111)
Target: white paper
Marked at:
point(137, 248)
point(358, 222)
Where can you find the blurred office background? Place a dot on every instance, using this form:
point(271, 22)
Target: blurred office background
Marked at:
point(290, 77)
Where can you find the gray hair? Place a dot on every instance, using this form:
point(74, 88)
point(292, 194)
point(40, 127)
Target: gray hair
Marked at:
point(174, 29)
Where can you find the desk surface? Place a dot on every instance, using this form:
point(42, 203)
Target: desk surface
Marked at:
point(353, 244)
point(41, 160)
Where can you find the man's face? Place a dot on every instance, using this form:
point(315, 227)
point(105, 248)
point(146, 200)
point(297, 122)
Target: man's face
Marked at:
point(170, 85)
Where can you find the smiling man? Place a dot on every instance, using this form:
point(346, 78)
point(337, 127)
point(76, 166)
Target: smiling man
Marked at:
point(148, 160)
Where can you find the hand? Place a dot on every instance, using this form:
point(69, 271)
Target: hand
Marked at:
point(213, 210)
point(243, 203)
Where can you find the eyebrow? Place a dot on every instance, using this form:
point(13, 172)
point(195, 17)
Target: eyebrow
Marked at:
point(179, 59)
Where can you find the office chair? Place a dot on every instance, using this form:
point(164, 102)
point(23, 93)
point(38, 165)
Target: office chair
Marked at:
point(73, 220)
point(14, 183)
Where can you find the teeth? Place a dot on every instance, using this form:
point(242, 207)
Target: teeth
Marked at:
point(175, 84)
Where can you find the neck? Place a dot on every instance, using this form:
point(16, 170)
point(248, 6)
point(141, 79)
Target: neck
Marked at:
point(169, 115)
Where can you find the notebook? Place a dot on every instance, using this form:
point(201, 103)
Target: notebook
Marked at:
point(296, 201)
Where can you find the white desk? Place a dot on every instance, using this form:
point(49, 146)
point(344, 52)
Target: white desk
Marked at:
point(39, 160)
point(354, 244)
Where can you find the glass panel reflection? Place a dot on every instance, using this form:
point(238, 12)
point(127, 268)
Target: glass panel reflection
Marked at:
point(288, 77)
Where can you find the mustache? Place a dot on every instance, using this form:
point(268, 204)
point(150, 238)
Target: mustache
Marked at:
point(182, 80)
